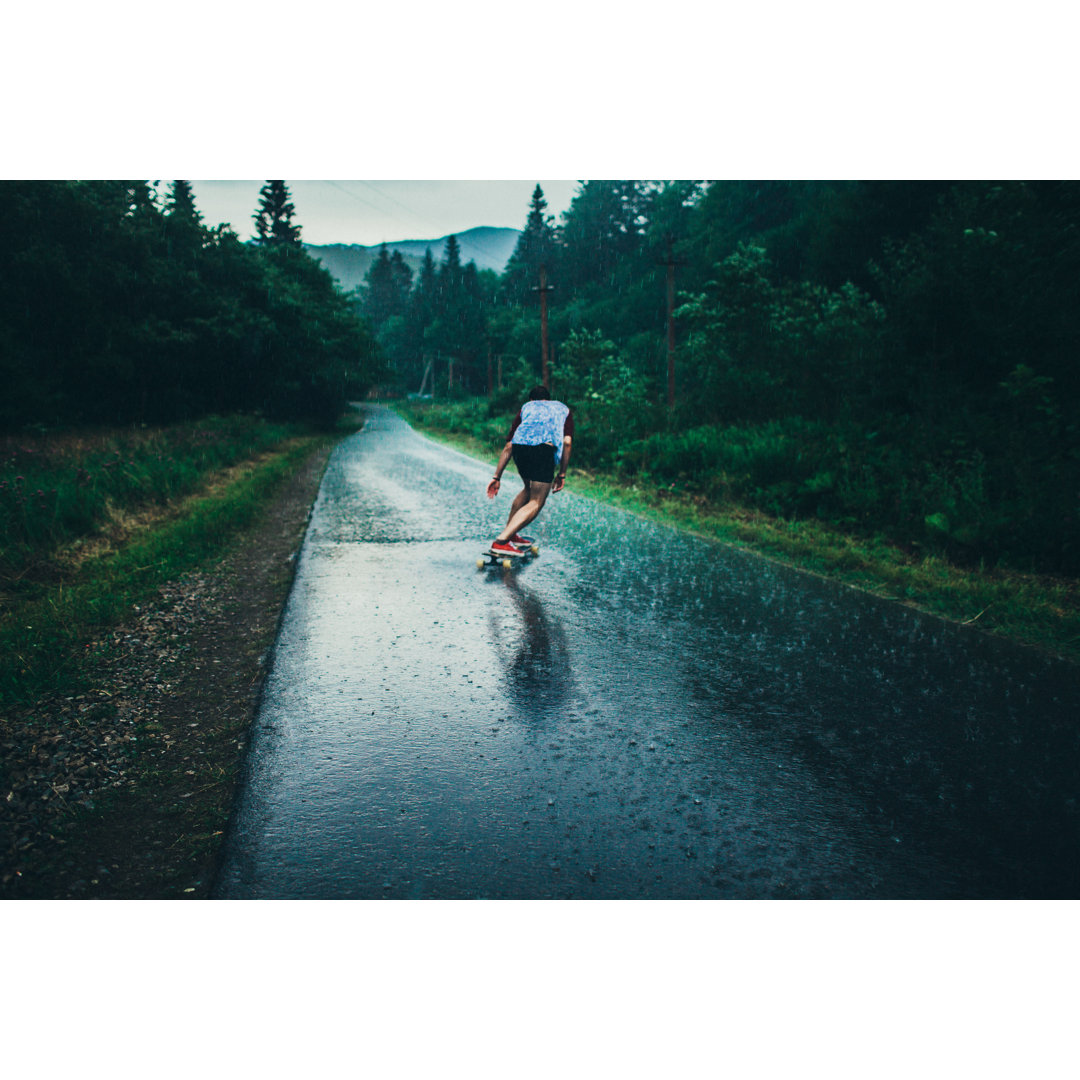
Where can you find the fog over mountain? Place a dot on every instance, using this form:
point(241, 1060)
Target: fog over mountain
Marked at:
point(490, 248)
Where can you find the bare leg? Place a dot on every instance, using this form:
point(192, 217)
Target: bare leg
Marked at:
point(532, 498)
point(520, 499)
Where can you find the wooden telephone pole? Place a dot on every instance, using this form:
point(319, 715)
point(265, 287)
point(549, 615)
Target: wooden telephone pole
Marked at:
point(543, 289)
point(670, 262)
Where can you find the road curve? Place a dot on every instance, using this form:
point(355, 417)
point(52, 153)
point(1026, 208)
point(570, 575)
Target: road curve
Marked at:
point(636, 714)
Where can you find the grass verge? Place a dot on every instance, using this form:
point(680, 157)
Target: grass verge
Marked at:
point(47, 639)
point(61, 488)
point(1033, 609)
point(121, 759)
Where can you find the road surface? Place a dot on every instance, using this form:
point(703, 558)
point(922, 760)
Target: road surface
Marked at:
point(635, 714)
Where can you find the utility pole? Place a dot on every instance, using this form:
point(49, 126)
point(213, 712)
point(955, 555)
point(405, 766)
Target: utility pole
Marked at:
point(543, 289)
point(423, 382)
point(670, 262)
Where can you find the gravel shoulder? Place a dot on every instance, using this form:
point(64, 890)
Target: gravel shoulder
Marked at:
point(125, 792)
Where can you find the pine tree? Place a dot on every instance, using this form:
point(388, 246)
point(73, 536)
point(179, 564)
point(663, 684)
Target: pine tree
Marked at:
point(472, 325)
point(273, 220)
point(424, 296)
point(536, 247)
point(421, 311)
point(379, 289)
point(428, 276)
point(402, 275)
point(601, 228)
point(450, 274)
point(181, 201)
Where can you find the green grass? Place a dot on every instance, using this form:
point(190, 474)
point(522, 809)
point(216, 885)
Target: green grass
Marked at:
point(1034, 609)
point(57, 488)
point(54, 610)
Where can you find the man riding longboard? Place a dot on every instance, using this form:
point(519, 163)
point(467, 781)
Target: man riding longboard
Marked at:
point(539, 442)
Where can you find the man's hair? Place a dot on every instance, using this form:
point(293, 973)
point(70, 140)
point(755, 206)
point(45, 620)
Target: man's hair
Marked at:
point(539, 392)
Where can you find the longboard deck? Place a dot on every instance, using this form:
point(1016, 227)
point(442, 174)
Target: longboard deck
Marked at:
point(499, 558)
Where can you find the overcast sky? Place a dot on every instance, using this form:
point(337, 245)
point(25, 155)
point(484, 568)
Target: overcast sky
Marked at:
point(371, 211)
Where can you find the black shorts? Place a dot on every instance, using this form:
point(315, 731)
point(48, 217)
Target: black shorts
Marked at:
point(535, 462)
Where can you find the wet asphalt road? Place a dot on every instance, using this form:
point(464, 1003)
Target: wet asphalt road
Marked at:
point(635, 714)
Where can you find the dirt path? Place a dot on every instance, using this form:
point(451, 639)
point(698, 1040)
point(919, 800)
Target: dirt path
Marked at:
point(124, 793)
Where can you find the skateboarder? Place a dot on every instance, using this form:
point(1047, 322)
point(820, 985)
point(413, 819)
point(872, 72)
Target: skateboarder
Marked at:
point(539, 442)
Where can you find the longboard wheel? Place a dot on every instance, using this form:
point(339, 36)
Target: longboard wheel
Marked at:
point(507, 563)
point(479, 564)
point(535, 549)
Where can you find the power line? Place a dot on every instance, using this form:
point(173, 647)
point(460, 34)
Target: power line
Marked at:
point(352, 194)
point(419, 217)
point(398, 202)
point(495, 256)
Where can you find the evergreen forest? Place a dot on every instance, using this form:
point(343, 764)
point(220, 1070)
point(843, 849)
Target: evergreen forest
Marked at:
point(896, 359)
point(120, 305)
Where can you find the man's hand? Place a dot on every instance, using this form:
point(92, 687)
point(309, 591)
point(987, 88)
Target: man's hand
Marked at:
point(493, 488)
point(558, 483)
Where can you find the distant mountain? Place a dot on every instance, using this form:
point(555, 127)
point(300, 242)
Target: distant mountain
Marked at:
point(489, 248)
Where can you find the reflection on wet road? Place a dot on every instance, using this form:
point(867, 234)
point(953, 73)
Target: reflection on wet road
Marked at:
point(675, 719)
point(538, 674)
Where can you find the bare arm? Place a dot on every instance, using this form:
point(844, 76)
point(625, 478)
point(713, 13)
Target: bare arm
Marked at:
point(560, 480)
point(504, 458)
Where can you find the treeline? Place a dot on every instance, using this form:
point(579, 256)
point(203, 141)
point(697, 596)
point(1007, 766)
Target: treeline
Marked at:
point(430, 326)
point(897, 358)
point(119, 304)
